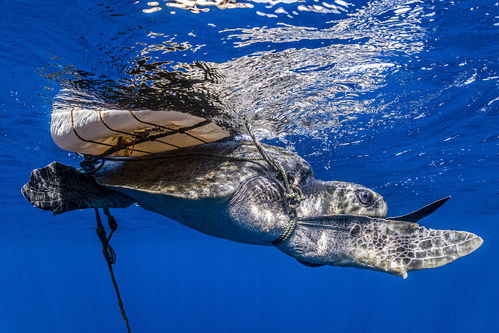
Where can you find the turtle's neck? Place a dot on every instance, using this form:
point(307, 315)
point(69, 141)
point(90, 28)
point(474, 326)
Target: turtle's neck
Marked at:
point(314, 202)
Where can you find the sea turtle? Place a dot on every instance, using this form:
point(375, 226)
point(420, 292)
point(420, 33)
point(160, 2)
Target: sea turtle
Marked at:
point(225, 189)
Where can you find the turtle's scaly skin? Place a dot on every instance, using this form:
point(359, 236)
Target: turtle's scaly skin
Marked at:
point(225, 190)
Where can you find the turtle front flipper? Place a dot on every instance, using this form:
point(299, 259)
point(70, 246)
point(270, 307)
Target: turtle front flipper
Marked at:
point(394, 247)
point(60, 188)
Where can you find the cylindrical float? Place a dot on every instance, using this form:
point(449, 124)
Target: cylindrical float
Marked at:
point(100, 130)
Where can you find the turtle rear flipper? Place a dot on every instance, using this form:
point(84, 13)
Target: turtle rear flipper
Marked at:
point(60, 188)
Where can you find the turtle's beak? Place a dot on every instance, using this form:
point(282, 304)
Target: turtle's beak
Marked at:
point(381, 207)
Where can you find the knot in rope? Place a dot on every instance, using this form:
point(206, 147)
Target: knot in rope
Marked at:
point(90, 164)
point(293, 192)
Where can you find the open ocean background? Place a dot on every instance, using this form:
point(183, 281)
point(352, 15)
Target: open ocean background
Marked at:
point(400, 96)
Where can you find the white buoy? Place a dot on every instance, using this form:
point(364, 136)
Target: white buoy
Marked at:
point(95, 130)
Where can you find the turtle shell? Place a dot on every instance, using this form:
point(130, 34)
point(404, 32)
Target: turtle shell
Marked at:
point(213, 170)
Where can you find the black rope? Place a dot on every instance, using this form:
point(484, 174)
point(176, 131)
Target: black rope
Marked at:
point(110, 255)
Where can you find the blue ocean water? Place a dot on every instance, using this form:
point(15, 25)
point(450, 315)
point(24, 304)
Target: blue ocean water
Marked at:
point(398, 95)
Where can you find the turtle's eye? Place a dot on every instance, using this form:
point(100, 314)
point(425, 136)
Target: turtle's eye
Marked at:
point(365, 197)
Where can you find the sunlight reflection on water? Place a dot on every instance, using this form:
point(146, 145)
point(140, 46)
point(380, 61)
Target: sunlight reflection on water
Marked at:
point(287, 80)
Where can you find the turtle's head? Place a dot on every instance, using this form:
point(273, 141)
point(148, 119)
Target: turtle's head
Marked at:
point(334, 198)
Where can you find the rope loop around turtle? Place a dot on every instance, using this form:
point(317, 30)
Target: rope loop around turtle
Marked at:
point(293, 192)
